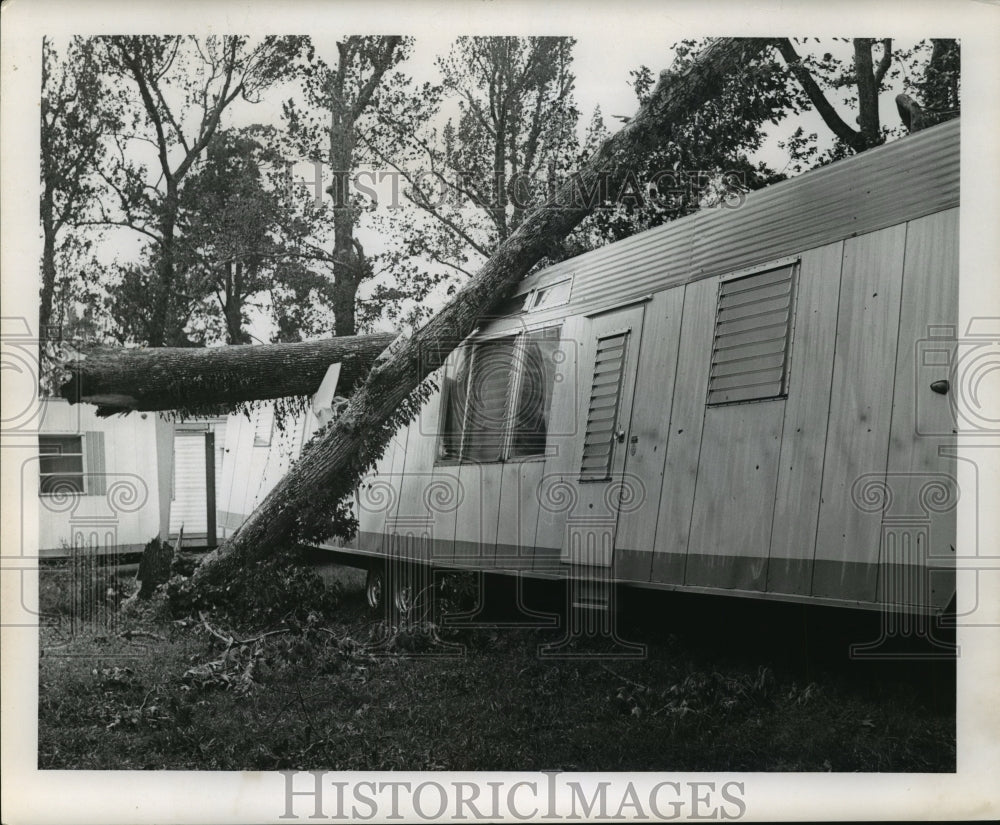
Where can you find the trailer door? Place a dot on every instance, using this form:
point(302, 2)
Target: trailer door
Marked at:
point(609, 355)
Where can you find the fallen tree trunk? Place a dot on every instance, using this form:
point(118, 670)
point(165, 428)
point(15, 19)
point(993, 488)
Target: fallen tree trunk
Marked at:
point(308, 504)
point(195, 379)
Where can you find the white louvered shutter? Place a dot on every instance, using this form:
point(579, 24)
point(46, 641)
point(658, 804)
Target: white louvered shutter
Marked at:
point(602, 412)
point(752, 332)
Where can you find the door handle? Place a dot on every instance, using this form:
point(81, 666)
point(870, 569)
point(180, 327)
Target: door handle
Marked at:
point(941, 387)
point(633, 441)
point(620, 436)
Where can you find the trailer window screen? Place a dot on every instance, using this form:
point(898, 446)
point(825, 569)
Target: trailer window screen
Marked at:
point(496, 405)
point(602, 413)
point(752, 333)
point(488, 399)
point(60, 468)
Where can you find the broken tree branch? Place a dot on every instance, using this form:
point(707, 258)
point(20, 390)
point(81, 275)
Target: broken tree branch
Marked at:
point(196, 378)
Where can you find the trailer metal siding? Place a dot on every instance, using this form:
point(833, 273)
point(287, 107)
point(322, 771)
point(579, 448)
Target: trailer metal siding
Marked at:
point(921, 477)
point(807, 409)
point(687, 417)
point(860, 407)
point(734, 496)
point(650, 429)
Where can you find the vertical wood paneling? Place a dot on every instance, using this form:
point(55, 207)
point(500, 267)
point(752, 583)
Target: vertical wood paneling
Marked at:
point(476, 519)
point(443, 492)
point(796, 509)
point(916, 470)
point(413, 514)
point(394, 540)
point(658, 357)
point(568, 417)
point(686, 418)
point(860, 407)
point(227, 478)
point(376, 500)
point(518, 514)
point(734, 499)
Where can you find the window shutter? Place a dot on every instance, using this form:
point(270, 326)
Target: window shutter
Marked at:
point(602, 414)
point(752, 331)
point(93, 446)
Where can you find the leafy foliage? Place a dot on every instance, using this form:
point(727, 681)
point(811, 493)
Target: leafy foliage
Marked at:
point(182, 85)
point(474, 178)
point(278, 590)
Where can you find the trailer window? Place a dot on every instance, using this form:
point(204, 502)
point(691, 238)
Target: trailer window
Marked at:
point(488, 399)
point(496, 405)
point(537, 361)
point(753, 327)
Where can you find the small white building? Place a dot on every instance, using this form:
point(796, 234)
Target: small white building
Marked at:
point(103, 483)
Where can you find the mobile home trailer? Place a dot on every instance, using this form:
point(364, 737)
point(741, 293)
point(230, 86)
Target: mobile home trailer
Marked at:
point(749, 401)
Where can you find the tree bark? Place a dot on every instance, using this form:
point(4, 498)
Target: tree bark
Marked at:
point(48, 289)
point(307, 504)
point(864, 73)
point(195, 378)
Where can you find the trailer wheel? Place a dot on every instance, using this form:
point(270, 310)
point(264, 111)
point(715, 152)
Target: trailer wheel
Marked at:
point(375, 587)
point(402, 595)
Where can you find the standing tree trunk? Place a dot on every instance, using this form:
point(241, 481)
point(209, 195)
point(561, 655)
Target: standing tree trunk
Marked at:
point(161, 314)
point(308, 503)
point(197, 378)
point(351, 267)
point(47, 293)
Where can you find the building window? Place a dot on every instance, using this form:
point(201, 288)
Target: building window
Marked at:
point(753, 327)
point(61, 464)
point(496, 405)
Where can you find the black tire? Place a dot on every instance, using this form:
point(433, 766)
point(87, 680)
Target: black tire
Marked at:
point(375, 587)
point(402, 594)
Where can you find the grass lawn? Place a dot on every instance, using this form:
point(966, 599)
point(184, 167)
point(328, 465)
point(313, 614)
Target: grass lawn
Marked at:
point(327, 694)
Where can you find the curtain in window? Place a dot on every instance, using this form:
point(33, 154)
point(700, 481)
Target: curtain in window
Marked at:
point(455, 390)
point(538, 369)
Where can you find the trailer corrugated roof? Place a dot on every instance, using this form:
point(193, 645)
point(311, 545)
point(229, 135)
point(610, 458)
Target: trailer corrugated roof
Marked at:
point(899, 181)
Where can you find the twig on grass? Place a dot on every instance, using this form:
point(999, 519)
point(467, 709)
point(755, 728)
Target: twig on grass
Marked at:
point(232, 642)
point(626, 680)
point(129, 635)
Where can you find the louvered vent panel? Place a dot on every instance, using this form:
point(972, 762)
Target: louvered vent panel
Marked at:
point(602, 414)
point(750, 350)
